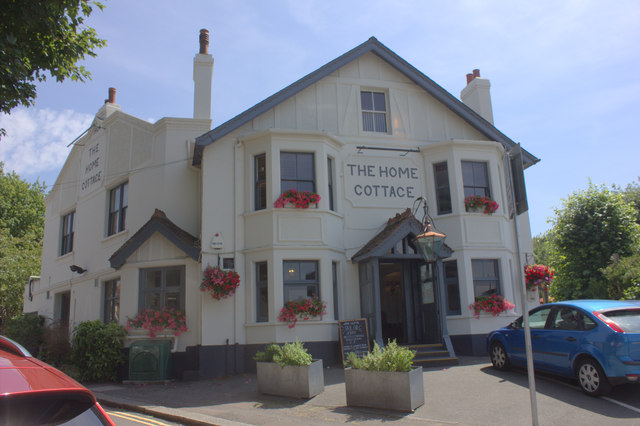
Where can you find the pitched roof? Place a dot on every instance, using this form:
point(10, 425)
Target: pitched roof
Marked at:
point(397, 228)
point(159, 222)
point(374, 46)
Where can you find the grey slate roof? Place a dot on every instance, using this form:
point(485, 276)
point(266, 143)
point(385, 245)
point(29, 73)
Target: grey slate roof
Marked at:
point(159, 222)
point(374, 46)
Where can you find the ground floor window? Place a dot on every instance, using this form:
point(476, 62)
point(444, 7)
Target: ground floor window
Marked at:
point(300, 279)
point(486, 277)
point(262, 292)
point(453, 287)
point(162, 288)
point(112, 301)
point(334, 278)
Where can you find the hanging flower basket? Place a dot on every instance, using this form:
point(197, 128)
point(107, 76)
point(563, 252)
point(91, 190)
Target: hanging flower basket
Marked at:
point(303, 309)
point(299, 199)
point(158, 320)
point(219, 283)
point(538, 277)
point(494, 304)
point(478, 203)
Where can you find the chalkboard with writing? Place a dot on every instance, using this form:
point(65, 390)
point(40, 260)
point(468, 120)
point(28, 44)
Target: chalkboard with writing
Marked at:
point(354, 337)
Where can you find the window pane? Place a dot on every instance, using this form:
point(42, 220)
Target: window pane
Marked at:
point(305, 166)
point(154, 279)
point(172, 300)
point(380, 122)
point(153, 301)
point(308, 271)
point(288, 165)
point(115, 200)
point(367, 121)
point(125, 194)
point(291, 271)
point(467, 173)
point(378, 102)
point(366, 99)
point(480, 174)
point(453, 287)
point(173, 278)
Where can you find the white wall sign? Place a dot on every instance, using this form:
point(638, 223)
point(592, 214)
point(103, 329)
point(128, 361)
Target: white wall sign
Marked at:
point(91, 168)
point(382, 181)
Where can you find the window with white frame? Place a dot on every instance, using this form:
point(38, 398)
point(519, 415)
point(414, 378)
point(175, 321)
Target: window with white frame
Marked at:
point(486, 277)
point(118, 203)
point(162, 288)
point(112, 301)
point(452, 286)
point(475, 178)
point(374, 111)
point(297, 171)
point(68, 230)
point(300, 279)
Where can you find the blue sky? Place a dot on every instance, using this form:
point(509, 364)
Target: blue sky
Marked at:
point(565, 74)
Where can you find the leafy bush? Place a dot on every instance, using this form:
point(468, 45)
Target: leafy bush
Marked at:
point(289, 354)
point(390, 358)
point(28, 330)
point(56, 347)
point(97, 349)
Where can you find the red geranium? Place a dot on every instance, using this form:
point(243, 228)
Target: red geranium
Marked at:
point(220, 283)
point(537, 276)
point(494, 304)
point(302, 309)
point(478, 202)
point(155, 321)
point(300, 199)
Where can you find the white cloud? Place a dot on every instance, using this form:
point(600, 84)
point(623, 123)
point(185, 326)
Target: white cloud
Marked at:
point(35, 146)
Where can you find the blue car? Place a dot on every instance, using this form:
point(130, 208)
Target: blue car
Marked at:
point(595, 341)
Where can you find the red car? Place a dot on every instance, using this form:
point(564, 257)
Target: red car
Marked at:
point(34, 393)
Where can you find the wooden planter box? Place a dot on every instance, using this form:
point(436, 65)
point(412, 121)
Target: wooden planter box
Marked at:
point(382, 389)
point(290, 380)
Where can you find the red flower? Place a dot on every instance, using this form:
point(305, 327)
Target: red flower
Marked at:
point(302, 309)
point(155, 321)
point(478, 202)
point(220, 283)
point(494, 304)
point(300, 199)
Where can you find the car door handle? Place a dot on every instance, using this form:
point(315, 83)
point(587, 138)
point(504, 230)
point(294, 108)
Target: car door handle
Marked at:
point(570, 339)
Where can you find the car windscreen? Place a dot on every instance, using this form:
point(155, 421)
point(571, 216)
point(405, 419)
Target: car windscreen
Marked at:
point(627, 319)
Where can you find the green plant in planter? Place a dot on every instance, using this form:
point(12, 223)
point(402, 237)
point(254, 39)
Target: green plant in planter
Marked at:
point(288, 354)
point(390, 358)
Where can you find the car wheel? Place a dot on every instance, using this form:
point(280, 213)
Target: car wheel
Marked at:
point(592, 379)
point(499, 357)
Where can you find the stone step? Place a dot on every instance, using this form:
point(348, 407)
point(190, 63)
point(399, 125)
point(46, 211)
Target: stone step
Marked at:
point(432, 355)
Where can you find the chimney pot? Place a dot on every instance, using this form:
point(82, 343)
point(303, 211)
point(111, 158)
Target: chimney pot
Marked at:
point(476, 73)
point(204, 41)
point(470, 78)
point(112, 95)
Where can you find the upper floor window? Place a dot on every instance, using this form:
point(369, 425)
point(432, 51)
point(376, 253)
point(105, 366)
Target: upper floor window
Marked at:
point(68, 226)
point(162, 288)
point(300, 279)
point(443, 192)
point(374, 111)
point(475, 178)
point(118, 202)
point(452, 287)
point(486, 277)
point(297, 171)
point(260, 182)
point(112, 301)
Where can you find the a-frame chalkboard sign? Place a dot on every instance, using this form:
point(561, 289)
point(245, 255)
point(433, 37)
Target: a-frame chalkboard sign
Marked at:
point(354, 337)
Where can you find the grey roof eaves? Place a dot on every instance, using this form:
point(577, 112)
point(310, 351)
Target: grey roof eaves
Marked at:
point(374, 46)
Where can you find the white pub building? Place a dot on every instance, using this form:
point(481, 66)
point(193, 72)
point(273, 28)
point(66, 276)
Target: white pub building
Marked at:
point(140, 210)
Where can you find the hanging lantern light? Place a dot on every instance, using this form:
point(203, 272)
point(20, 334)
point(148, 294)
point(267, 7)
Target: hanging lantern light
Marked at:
point(430, 241)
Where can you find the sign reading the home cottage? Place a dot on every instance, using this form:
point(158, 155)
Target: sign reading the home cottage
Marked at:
point(91, 168)
point(354, 337)
point(382, 181)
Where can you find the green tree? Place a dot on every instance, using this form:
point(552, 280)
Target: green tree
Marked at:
point(623, 277)
point(541, 248)
point(39, 37)
point(590, 227)
point(21, 228)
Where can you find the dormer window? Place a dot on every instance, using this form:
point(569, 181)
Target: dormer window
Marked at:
point(374, 111)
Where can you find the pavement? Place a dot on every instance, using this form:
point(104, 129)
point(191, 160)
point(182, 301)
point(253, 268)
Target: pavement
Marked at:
point(472, 393)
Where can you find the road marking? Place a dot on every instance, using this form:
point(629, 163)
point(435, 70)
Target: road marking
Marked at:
point(622, 404)
point(139, 419)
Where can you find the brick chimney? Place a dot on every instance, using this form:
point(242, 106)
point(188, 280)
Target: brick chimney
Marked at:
point(202, 75)
point(477, 95)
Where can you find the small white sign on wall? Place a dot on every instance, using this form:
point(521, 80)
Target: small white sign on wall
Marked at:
point(382, 181)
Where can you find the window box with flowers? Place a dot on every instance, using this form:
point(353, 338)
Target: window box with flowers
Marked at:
point(166, 321)
point(297, 199)
point(494, 305)
point(476, 203)
point(219, 283)
point(303, 309)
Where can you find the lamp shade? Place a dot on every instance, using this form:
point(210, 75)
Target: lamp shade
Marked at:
point(429, 243)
